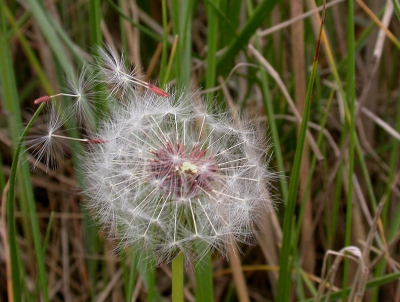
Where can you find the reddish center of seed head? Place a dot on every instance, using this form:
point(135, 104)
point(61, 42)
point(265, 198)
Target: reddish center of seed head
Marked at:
point(182, 172)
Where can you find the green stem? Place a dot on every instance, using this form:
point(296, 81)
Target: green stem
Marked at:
point(12, 234)
point(286, 257)
point(397, 8)
point(177, 278)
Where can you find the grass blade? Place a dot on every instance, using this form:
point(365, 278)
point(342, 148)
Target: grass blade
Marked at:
point(285, 271)
point(253, 23)
point(350, 98)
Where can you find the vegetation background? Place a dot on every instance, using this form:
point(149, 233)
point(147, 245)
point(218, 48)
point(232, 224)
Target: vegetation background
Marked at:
point(338, 197)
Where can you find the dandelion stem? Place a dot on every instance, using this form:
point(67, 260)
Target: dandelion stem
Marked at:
point(177, 278)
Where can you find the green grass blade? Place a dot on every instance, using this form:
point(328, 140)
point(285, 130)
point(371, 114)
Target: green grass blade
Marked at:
point(253, 23)
point(42, 19)
point(222, 16)
point(146, 267)
point(350, 99)
point(182, 15)
point(142, 28)
point(269, 107)
point(12, 235)
point(397, 8)
point(95, 22)
point(204, 279)
point(212, 39)
point(285, 264)
point(164, 55)
point(33, 61)
point(130, 279)
point(9, 93)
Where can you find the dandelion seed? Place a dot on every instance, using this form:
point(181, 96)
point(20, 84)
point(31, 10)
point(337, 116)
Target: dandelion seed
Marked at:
point(85, 104)
point(82, 107)
point(47, 142)
point(118, 77)
point(44, 142)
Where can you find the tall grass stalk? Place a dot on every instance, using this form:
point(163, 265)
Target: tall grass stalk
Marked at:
point(285, 265)
point(350, 99)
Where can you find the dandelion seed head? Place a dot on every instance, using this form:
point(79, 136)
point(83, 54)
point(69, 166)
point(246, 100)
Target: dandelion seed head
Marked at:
point(162, 173)
point(172, 177)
